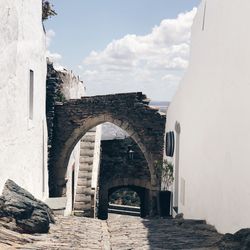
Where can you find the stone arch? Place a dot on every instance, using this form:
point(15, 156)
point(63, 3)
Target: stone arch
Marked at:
point(141, 187)
point(129, 111)
point(90, 123)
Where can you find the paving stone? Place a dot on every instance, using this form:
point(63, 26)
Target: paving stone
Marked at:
point(119, 232)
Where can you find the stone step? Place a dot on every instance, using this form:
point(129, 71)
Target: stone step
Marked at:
point(87, 146)
point(90, 132)
point(89, 177)
point(88, 160)
point(83, 182)
point(80, 206)
point(124, 207)
point(90, 141)
point(86, 153)
point(83, 191)
point(85, 167)
point(85, 174)
point(85, 213)
point(83, 198)
point(79, 213)
point(88, 138)
point(123, 212)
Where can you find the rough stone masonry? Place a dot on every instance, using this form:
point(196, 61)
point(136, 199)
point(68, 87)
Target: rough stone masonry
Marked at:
point(129, 111)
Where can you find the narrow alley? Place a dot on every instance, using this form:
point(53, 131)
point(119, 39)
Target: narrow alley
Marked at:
point(117, 233)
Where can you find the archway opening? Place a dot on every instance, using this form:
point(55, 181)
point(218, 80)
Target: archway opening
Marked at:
point(128, 200)
point(124, 201)
point(126, 197)
point(102, 155)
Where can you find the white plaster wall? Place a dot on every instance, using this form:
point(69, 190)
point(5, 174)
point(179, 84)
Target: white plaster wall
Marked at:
point(72, 87)
point(97, 155)
point(23, 144)
point(96, 166)
point(213, 107)
point(73, 164)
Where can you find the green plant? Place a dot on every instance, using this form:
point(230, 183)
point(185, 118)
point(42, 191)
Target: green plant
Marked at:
point(60, 97)
point(165, 170)
point(48, 10)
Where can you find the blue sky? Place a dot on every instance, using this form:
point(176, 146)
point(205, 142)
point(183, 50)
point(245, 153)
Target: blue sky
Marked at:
point(83, 27)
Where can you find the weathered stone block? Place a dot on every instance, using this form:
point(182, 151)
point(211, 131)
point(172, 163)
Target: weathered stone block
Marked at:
point(30, 215)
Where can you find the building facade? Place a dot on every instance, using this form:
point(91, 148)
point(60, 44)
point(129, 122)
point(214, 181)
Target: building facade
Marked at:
point(23, 131)
point(210, 118)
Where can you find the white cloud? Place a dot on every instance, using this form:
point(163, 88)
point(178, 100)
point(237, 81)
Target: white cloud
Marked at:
point(171, 78)
point(49, 35)
point(53, 57)
point(142, 63)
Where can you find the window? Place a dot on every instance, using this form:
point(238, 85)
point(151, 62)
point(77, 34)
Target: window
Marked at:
point(204, 16)
point(31, 95)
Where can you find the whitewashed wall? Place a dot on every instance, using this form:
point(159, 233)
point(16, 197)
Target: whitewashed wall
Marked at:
point(72, 87)
point(96, 158)
point(23, 143)
point(213, 107)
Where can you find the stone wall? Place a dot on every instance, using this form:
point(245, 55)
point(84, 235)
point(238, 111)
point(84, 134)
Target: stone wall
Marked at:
point(119, 168)
point(130, 111)
point(53, 95)
point(23, 134)
point(117, 163)
point(62, 85)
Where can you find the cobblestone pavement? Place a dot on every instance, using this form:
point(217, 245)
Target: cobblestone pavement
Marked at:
point(155, 234)
point(117, 233)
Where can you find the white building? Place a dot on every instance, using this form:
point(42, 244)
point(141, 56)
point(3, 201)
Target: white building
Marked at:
point(23, 139)
point(212, 106)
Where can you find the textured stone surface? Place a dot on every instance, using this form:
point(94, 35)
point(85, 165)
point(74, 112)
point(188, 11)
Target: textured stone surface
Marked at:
point(239, 240)
point(84, 203)
point(130, 111)
point(20, 211)
point(53, 90)
point(118, 233)
point(115, 161)
point(117, 170)
point(146, 234)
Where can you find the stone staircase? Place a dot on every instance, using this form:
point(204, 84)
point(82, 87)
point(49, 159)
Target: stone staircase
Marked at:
point(84, 197)
point(124, 210)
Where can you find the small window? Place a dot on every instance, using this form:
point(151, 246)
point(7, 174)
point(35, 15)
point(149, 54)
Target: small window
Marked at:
point(204, 17)
point(31, 95)
point(170, 143)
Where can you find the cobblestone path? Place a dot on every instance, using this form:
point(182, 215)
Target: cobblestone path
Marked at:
point(155, 234)
point(117, 233)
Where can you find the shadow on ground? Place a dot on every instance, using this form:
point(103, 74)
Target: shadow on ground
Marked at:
point(129, 233)
point(181, 234)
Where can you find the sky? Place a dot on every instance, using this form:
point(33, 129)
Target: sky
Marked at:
point(123, 45)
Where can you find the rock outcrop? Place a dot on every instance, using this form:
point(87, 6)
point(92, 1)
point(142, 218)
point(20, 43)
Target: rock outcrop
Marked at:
point(21, 211)
point(239, 240)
